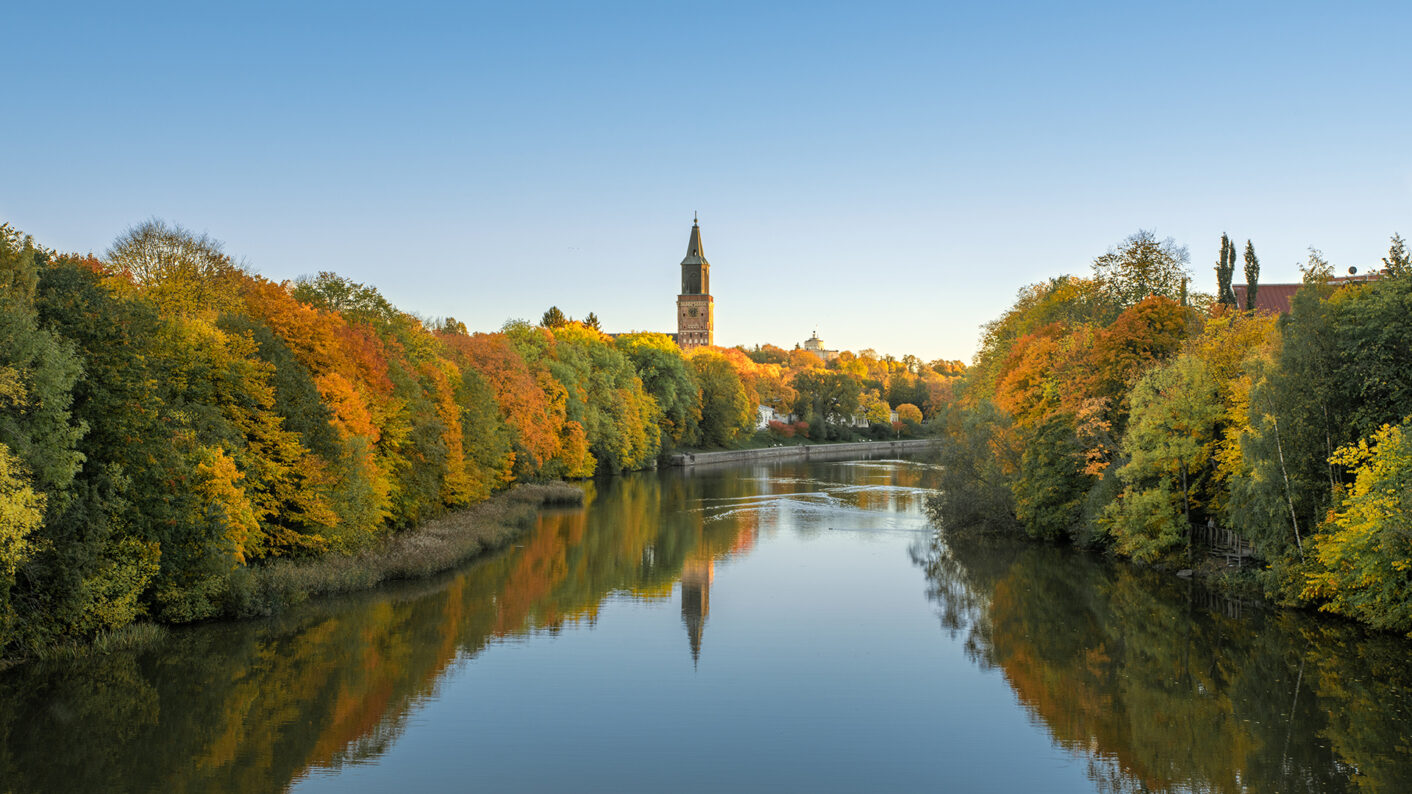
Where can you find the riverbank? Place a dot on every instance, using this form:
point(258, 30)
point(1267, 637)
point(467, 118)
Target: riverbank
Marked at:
point(433, 548)
point(791, 452)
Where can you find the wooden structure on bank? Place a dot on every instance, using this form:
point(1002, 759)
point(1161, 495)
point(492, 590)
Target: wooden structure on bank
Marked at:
point(1224, 544)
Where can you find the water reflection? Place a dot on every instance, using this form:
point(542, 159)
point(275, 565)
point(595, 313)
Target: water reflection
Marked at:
point(1151, 684)
point(255, 706)
point(1163, 690)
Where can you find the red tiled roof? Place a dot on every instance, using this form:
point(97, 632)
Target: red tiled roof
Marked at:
point(1276, 298)
point(1269, 298)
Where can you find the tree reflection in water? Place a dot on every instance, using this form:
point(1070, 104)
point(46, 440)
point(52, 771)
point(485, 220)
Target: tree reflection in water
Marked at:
point(253, 706)
point(1127, 668)
point(1123, 667)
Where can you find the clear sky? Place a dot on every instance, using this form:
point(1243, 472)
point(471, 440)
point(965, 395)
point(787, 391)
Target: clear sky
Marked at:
point(886, 173)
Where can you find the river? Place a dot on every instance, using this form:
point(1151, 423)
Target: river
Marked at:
point(791, 627)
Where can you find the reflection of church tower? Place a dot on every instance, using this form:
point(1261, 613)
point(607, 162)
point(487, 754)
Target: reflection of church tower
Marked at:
point(696, 309)
point(696, 577)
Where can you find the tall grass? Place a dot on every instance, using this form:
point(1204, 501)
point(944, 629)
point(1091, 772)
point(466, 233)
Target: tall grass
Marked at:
point(432, 548)
point(132, 638)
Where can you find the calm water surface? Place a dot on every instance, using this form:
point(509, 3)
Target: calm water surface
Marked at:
point(792, 627)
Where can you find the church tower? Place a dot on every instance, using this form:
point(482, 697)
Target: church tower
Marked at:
point(696, 579)
point(696, 309)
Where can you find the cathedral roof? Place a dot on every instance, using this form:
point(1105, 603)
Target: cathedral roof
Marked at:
point(694, 254)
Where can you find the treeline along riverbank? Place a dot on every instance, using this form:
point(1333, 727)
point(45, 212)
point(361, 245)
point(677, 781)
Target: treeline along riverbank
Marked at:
point(172, 425)
point(1117, 411)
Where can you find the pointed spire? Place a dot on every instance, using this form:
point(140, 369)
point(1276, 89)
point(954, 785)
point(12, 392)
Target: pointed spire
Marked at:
point(694, 254)
point(696, 601)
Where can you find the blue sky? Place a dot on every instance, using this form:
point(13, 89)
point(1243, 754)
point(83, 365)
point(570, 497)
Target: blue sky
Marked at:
point(888, 173)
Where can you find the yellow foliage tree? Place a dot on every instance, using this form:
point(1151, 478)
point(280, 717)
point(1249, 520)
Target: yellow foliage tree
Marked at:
point(1363, 558)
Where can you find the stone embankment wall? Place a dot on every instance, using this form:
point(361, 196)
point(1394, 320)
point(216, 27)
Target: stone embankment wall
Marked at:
point(861, 449)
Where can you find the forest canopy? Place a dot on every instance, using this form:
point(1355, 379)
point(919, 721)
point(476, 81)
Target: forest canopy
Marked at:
point(168, 419)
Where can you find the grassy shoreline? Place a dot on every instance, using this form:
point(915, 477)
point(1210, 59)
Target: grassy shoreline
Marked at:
point(436, 546)
point(432, 548)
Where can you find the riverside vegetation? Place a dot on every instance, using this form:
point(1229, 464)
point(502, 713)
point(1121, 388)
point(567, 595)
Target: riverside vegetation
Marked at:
point(1115, 411)
point(181, 439)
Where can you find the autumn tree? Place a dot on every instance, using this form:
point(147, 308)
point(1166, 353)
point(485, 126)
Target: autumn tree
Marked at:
point(768, 354)
point(181, 271)
point(1362, 558)
point(1068, 301)
point(874, 408)
point(907, 412)
point(21, 514)
point(1143, 335)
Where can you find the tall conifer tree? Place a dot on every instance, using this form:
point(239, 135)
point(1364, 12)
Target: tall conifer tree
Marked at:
point(1252, 276)
point(1225, 268)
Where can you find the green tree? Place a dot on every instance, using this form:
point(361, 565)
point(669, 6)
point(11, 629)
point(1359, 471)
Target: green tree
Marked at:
point(827, 400)
point(1316, 269)
point(1252, 276)
point(668, 377)
point(1397, 263)
point(726, 412)
point(553, 318)
point(975, 493)
point(1170, 436)
point(1141, 266)
point(334, 293)
point(591, 321)
point(1340, 376)
point(1225, 269)
point(38, 370)
point(606, 397)
point(100, 550)
point(1050, 486)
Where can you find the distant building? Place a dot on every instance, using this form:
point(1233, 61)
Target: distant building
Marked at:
point(815, 345)
point(765, 414)
point(1277, 298)
point(696, 309)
